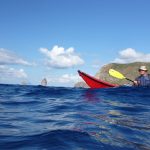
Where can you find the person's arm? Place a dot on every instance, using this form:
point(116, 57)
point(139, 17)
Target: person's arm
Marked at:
point(136, 82)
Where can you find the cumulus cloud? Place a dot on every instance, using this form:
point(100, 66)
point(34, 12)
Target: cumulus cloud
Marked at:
point(9, 72)
point(58, 57)
point(65, 78)
point(96, 64)
point(7, 57)
point(130, 55)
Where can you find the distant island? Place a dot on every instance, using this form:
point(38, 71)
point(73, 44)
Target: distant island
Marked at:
point(130, 70)
point(44, 82)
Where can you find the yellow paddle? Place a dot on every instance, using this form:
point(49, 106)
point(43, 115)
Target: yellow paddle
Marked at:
point(118, 75)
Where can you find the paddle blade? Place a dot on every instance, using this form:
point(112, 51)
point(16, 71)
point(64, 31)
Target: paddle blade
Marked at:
point(116, 74)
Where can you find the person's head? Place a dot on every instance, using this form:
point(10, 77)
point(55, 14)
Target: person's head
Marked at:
point(143, 70)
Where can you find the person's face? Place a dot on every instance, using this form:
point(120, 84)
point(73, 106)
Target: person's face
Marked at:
point(142, 72)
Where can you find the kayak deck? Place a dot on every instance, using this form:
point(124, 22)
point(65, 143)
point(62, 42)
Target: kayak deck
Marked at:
point(92, 82)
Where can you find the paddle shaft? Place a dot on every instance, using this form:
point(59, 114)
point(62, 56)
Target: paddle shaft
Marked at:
point(129, 80)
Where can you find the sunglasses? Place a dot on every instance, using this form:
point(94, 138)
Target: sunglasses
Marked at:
point(142, 70)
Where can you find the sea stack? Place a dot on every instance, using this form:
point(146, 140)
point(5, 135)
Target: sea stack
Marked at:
point(44, 82)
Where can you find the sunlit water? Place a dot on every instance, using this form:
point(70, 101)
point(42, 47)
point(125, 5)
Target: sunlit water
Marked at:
point(53, 118)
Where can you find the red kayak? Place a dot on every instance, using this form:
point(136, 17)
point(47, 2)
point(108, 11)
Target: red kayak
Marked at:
point(92, 82)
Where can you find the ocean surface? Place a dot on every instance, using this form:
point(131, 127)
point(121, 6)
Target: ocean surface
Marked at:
point(57, 118)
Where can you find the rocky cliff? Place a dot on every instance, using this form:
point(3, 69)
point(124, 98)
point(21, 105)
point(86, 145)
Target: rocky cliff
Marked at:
point(129, 70)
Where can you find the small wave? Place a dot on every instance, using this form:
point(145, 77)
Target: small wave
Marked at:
point(58, 118)
point(55, 140)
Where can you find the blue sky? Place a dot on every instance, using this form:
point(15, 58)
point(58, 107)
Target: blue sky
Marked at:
point(55, 38)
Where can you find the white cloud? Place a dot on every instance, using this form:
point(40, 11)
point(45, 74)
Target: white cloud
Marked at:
point(7, 57)
point(130, 55)
point(65, 78)
point(96, 64)
point(58, 57)
point(10, 73)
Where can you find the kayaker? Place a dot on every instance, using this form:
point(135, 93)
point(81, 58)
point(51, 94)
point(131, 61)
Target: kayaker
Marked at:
point(144, 78)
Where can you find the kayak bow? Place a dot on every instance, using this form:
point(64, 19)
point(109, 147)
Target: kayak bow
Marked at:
point(92, 82)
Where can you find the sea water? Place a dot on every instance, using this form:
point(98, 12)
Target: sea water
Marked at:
point(59, 118)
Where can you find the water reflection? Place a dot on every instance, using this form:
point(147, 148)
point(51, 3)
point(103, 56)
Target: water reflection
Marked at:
point(91, 95)
point(116, 122)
